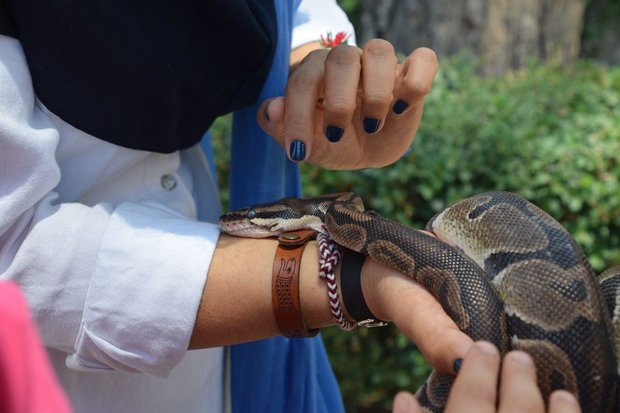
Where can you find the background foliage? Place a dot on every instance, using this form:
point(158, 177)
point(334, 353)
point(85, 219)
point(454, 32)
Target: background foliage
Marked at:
point(547, 133)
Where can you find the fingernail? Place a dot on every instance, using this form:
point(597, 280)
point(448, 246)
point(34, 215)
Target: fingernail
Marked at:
point(371, 125)
point(521, 357)
point(563, 396)
point(298, 151)
point(400, 106)
point(486, 347)
point(457, 365)
point(333, 133)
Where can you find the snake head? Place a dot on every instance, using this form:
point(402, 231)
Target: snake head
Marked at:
point(239, 223)
point(270, 220)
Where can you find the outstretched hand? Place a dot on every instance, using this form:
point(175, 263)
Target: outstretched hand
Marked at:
point(351, 108)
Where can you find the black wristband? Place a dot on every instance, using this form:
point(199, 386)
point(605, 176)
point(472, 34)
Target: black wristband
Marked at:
point(351, 289)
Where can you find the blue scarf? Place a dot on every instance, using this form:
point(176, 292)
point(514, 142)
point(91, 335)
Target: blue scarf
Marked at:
point(277, 375)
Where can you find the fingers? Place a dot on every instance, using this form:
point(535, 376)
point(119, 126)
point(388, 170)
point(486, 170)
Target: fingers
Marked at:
point(435, 334)
point(519, 390)
point(349, 94)
point(330, 77)
point(302, 93)
point(405, 402)
point(562, 401)
point(415, 80)
point(378, 77)
point(475, 388)
point(518, 387)
point(342, 80)
point(393, 296)
point(342, 77)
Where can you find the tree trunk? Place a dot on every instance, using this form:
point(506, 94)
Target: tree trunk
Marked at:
point(505, 34)
point(601, 37)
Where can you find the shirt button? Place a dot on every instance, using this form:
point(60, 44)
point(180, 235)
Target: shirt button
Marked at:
point(168, 182)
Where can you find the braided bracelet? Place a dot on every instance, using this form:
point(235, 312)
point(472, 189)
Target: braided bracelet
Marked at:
point(329, 256)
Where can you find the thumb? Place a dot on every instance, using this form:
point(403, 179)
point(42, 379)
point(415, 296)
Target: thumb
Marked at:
point(270, 117)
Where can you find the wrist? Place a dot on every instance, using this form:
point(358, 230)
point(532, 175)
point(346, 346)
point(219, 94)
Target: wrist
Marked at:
point(353, 298)
point(313, 295)
point(376, 283)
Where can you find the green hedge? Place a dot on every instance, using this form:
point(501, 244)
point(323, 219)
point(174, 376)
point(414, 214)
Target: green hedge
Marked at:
point(550, 134)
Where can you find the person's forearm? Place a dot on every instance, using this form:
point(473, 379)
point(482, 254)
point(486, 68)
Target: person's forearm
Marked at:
point(236, 303)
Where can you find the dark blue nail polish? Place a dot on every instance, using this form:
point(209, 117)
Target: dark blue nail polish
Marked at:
point(298, 151)
point(333, 133)
point(371, 125)
point(457, 365)
point(400, 106)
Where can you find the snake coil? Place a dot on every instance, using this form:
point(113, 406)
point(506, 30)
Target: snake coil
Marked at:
point(502, 269)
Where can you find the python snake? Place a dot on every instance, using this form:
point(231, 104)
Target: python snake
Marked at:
point(502, 269)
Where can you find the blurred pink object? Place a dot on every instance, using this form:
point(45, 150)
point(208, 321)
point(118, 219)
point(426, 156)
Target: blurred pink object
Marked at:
point(27, 382)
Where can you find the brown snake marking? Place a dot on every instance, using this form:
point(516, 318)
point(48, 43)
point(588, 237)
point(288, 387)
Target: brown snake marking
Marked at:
point(503, 269)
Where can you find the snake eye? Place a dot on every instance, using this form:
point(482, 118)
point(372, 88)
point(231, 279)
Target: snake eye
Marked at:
point(251, 214)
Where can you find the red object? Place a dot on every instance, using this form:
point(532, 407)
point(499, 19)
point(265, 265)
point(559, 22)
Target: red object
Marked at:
point(329, 42)
point(27, 382)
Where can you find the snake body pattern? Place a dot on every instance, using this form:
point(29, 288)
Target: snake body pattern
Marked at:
point(502, 269)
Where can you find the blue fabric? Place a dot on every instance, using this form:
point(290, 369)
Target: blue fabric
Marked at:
point(260, 170)
point(276, 375)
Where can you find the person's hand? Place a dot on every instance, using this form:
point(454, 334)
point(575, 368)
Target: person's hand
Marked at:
point(351, 108)
point(476, 389)
point(393, 296)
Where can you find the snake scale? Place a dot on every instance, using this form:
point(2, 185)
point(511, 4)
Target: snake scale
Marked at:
point(502, 269)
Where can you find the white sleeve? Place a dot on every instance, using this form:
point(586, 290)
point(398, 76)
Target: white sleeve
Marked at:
point(314, 18)
point(114, 286)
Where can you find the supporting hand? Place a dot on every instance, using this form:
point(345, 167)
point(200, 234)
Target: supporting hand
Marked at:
point(476, 389)
point(351, 108)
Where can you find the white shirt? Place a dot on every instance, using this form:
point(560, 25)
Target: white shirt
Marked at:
point(111, 247)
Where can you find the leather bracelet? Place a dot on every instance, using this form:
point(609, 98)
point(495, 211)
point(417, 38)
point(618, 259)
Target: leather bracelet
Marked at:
point(351, 289)
point(285, 284)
